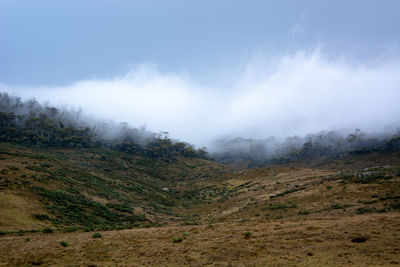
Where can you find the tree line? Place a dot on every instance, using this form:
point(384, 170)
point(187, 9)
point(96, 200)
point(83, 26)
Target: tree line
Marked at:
point(31, 123)
point(273, 150)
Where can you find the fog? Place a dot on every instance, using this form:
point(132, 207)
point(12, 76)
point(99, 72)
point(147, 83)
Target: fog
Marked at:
point(294, 94)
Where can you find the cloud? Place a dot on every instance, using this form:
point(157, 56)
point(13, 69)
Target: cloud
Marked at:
point(296, 94)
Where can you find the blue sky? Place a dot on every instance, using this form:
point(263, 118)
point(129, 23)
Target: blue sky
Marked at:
point(57, 42)
point(238, 59)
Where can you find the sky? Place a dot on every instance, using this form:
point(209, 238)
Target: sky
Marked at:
point(203, 69)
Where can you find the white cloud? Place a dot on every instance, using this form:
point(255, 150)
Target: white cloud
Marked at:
point(296, 94)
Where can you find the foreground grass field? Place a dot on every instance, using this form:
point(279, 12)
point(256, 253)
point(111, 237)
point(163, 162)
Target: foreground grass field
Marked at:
point(359, 240)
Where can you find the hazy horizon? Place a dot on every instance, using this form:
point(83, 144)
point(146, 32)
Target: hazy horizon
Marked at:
point(203, 70)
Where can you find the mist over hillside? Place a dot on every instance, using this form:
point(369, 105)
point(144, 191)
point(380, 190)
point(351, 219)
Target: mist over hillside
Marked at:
point(314, 145)
point(30, 123)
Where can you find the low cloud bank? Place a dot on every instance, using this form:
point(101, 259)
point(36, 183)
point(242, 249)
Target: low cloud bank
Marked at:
point(294, 95)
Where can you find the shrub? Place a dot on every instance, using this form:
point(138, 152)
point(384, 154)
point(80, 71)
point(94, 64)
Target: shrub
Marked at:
point(359, 239)
point(304, 212)
point(283, 207)
point(177, 240)
point(63, 243)
point(97, 235)
point(46, 165)
point(395, 206)
point(336, 206)
point(48, 230)
point(41, 217)
point(210, 226)
point(247, 235)
point(185, 234)
point(70, 229)
point(365, 210)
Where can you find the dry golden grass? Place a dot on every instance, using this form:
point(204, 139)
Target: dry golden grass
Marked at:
point(312, 242)
point(17, 209)
point(317, 194)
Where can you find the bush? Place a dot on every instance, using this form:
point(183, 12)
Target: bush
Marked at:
point(177, 240)
point(365, 210)
point(48, 230)
point(63, 243)
point(247, 235)
point(283, 207)
point(336, 206)
point(395, 206)
point(41, 217)
point(97, 235)
point(185, 234)
point(304, 212)
point(359, 239)
point(210, 226)
point(70, 229)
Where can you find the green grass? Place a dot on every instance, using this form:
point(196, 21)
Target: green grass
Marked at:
point(75, 209)
point(97, 235)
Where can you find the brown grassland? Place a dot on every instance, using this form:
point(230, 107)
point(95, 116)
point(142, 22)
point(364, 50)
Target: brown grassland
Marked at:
point(327, 213)
point(294, 242)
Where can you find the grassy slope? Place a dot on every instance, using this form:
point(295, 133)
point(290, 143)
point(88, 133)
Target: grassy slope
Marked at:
point(306, 213)
point(91, 188)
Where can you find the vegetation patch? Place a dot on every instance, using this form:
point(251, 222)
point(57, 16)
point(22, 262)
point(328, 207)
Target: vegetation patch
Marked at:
point(288, 192)
point(48, 230)
point(363, 210)
point(247, 235)
point(305, 212)
point(359, 239)
point(41, 217)
point(75, 209)
point(177, 240)
point(63, 244)
point(97, 235)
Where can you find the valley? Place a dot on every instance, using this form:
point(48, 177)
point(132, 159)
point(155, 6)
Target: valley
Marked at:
point(196, 212)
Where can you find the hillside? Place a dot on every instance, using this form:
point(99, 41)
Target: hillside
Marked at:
point(92, 188)
point(326, 212)
point(72, 193)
